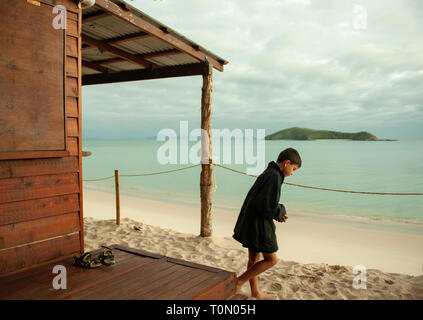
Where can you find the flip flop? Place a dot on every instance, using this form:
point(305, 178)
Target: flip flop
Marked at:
point(84, 260)
point(107, 258)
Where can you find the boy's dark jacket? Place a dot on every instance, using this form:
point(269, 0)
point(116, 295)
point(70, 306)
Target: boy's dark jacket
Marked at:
point(255, 228)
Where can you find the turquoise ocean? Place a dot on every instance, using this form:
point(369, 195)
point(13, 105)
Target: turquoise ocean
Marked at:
point(375, 166)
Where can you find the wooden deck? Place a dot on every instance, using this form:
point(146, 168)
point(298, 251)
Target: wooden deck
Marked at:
point(137, 274)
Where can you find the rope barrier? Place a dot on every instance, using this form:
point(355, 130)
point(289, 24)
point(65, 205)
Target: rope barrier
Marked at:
point(361, 192)
point(160, 172)
point(251, 175)
point(335, 190)
point(143, 174)
point(99, 179)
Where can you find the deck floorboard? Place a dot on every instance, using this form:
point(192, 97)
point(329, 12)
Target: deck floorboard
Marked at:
point(137, 274)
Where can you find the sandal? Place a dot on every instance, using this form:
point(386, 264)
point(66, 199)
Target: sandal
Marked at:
point(107, 258)
point(84, 260)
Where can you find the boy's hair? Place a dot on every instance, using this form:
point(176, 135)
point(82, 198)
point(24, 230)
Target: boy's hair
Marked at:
point(290, 154)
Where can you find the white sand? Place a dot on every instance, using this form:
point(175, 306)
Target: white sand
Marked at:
point(324, 253)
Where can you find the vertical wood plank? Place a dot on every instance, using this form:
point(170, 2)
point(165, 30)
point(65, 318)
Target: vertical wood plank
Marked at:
point(81, 197)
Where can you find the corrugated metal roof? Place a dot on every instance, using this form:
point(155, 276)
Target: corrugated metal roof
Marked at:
point(173, 60)
point(108, 27)
point(160, 24)
point(146, 45)
point(125, 66)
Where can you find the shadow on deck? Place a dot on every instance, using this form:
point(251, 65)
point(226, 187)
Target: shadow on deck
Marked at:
point(137, 274)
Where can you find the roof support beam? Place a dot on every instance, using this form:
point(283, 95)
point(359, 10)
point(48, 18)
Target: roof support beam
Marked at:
point(146, 26)
point(145, 74)
point(107, 61)
point(96, 67)
point(143, 56)
point(206, 191)
point(118, 52)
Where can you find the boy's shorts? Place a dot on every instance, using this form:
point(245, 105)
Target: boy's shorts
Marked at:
point(256, 249)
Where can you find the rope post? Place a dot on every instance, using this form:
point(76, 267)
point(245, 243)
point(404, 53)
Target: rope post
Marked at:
point(206, 152)
point(117, 197)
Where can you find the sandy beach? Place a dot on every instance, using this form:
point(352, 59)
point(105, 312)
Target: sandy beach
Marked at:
point(316, 259)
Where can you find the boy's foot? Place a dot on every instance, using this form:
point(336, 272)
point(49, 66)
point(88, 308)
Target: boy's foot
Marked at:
point(238, 288)
point(265, 296)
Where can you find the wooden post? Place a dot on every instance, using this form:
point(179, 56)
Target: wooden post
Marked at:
point(206, 152)
point(117, 197)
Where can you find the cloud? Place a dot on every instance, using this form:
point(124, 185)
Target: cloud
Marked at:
point(290, 63)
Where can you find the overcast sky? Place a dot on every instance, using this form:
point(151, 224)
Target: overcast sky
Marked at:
point(316, 64)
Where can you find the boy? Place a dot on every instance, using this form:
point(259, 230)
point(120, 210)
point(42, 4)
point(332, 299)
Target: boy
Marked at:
point(254, 228)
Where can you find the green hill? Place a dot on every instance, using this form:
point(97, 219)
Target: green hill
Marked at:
point(310, 134)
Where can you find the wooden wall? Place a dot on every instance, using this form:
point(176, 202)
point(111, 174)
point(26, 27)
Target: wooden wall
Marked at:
point(41, 198)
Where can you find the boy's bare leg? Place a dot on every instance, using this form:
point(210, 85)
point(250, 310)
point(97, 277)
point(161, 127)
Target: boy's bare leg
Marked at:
point(269, 260)
point(253, 258)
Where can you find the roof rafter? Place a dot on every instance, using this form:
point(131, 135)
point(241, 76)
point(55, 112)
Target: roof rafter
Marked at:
point(146, 26)
point(116, 51)
point(97, 67)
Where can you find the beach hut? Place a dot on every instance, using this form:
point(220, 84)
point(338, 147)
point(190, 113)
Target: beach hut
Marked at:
point(49, 49)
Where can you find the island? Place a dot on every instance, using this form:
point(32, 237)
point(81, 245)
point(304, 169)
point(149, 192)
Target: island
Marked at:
point(297, 133)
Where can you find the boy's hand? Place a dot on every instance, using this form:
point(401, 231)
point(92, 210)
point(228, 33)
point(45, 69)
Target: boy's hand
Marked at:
point(283, 219)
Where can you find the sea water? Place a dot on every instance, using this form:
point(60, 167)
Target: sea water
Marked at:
point(369, 166)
